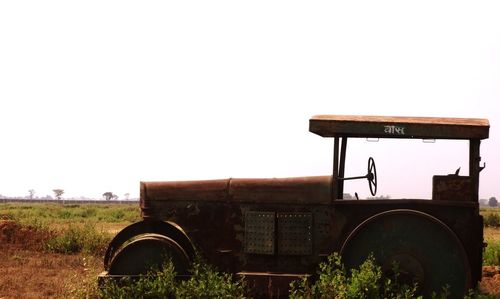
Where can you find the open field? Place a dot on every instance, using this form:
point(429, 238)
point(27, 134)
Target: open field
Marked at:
point(55, 250)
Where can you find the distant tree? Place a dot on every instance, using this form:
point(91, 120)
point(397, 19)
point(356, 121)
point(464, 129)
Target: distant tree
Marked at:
point(32, 193)
point(483, 202)
point(115, 197)
point(126, 196)
point(493, 202)
point(58, 193)
point(108, 195)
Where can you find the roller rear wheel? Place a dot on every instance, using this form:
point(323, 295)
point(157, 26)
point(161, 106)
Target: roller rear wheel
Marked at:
point(428, 252)
point(148, 227)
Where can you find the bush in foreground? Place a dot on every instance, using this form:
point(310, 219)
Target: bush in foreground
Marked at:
point(204, 282)
point(159, 284)
point(334, 281)
point(366, 282)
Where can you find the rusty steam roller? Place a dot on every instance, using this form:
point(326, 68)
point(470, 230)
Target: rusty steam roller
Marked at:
point(273, 231)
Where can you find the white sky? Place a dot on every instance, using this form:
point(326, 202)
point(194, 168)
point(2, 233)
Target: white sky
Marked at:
point(96, 96)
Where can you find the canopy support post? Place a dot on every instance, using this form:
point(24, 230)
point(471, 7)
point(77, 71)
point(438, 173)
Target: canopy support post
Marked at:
point(338, 168)
point(474, 167)
point(342, 168)
point(335, 175)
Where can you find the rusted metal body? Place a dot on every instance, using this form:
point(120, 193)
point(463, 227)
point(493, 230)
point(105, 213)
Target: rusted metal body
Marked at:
point(272, 231)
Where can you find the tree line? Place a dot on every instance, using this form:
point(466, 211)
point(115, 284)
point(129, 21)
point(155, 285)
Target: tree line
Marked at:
point(58, 194)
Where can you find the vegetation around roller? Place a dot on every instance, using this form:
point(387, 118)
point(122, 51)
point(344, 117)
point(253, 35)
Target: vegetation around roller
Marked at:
point(333, 281)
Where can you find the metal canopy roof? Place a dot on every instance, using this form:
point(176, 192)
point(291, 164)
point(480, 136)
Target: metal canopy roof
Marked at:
point(399, 127)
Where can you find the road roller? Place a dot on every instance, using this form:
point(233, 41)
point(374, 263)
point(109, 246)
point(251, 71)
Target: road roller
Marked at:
point(271, 231)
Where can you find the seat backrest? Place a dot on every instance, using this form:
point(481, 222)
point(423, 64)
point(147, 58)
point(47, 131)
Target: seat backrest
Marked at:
point(451, 187)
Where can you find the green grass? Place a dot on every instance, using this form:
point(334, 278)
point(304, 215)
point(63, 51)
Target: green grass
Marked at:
point(79, 238)
point(491, 216)
point(491, 256)
point(492, 220)
point(73, 228)
point(37, 213)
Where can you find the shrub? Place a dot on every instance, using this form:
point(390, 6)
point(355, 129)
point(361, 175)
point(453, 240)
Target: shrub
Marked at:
point(87, 212)
point(67, 242)
point(157, 284)
point(366, 282)
point(76, 239)
point(117, 215)
point(491, 256)
point(492, 220)
point(64, 214)
point(205, 282)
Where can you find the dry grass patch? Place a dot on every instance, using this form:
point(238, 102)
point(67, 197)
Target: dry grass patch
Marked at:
point(491, 234)
point(36, 274)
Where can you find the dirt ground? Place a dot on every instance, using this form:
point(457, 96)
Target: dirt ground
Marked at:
point(26, 271)
point(490, 283)
point(35, 274)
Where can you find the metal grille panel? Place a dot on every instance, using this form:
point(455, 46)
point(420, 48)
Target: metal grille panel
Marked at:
point(294, 233)
point(260, 232)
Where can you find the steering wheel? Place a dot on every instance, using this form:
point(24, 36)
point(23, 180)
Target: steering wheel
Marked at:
point(371, 176)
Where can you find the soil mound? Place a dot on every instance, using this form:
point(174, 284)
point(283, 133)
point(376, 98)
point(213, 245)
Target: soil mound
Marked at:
point(23, 237)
